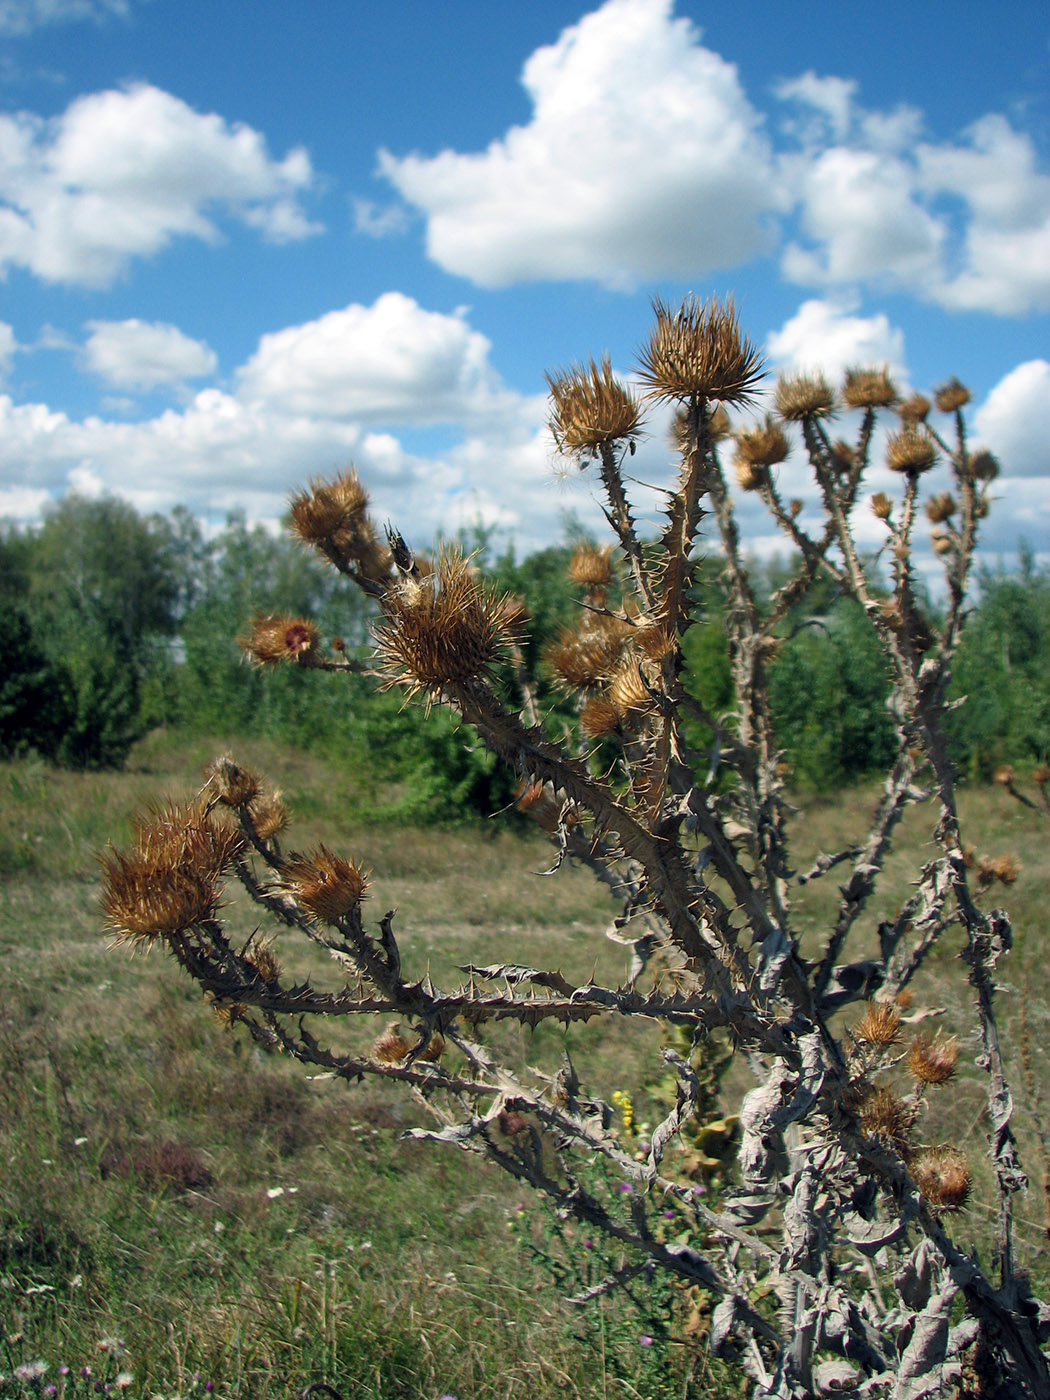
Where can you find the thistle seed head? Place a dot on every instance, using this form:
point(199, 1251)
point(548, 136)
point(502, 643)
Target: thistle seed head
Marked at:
point(628, 691)
point(262, 957)
point(911, 450)
point(330, 512)
point(984, 466)
point(869, 388)
point(940, 508)
point(802, 396)
point(232, 785)
point(880, 1025)
point(931, 1059)
point(587, 658)
point(750, 477)
point(268, 815)
point(328, 886)
point(915, 409)
point(591, 567)
point(884, 1114)
point(697, 352)
point(590, 407)
point(273, 639)
point(599, 717)
point(391, 1047)
point(445, 629)
point(951, 396)
point(943, 1176)
point(762, 447)
point(881, 505)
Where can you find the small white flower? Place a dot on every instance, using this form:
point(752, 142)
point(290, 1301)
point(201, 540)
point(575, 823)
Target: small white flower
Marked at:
point(79, 1142)
point(30, 1370)
point(274, 1192)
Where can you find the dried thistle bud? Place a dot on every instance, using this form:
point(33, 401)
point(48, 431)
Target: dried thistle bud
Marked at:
point(762, 447)
point(843, 458)
point(942, 543)
point(911, 450)
point(434, 1048)
point(881, 505)
point(587, 658)
point(328, 886)
point(984, 466)
point(176, 837)
point(940, 508)
point(330, 512)
point(1004, 775)
point(943, 1176)
point(794, 507)
point(869, 388)
point(932, 1059)
point(750, 477)
point(273, 639)
point(915, 409)
point(443, 630)
point(599, 717)
point(391, 1047)
point(141, 902)
point(884, 1114)
point(591, 566)
point(262, 957)
point(628, 691)
point(697, 352)
point(951, 396)
point(1005, 868)
point(802, 396)
point(881, 1024)
point(232, 785)
point(268, 815)
point(590, 407)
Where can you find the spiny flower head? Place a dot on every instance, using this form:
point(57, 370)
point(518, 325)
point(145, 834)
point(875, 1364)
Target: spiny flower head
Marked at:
point(915, 409)
point(591, 566)
point(599, 717)
point(802, 396)
point(327, 885)
point(697, 351)
point(951, 396)
point(884, 1114)
point(869, 388)
point(880, 1025)
point(881, 505)
point(580, 658)
point(911, 450)
point(765, 446)
point(590, 407)
point(984, 466)
point(273, 639)
point(268, 815)
point(231, 784)
point(446, 628)
point(940, 508)
point(932, 1059)
point(330, 512)
point(263, 959)
point(943, 1176)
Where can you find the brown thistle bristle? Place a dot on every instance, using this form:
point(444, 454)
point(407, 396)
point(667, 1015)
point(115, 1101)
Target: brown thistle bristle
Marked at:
point(599, 717)
point(750, 477)
point(884, 1114)
point(943, 1176)
point(232, 785)
point(881, 505)
point(763, 447)
point(175, 837)
point(590, 407)
point(880, 1025)
point(932, 1059)
point(142, 902)
point(446, 629)
point(228, 1013)
point(329, 509)
point(940, 508)
point(802, 396)
point(984, 466)
point(843, 458)
point(951, 396)
point(262, 957)
point(273, 639)
point(654, 641)
point(591, 566)
point(328, 886)
point(697, 352)
point(268, 815)
point(587, 658)
point(869, 388)
point(627, 689)
point(911, 450)
point(915, 409)
point(391, 1047)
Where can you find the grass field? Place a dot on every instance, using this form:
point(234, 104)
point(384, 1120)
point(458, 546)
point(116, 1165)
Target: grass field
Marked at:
point(184, 1216)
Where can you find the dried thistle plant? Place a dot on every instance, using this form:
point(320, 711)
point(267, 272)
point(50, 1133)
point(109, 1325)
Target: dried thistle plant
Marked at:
point(826, 1255)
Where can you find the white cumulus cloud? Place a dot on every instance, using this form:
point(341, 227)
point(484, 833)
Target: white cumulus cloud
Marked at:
point(143, 354)
point(23, 16)
point(8, 346)
point(825, 335)
point(1014, 420)
point(643, 158)
point(121, 173)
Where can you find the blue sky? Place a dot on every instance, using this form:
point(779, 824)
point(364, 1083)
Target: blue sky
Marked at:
point(246, 243)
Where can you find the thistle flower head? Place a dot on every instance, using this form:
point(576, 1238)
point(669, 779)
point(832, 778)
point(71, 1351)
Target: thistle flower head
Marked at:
point(232, 785)
point(590, 407)
point(330, 512)
point(762, 447)
point(588, 657)
point(327, 885)
point(943, 1176)
point(940, 508)
point(591, 566)
point(884, 1114)
point(263, 959)
point(444, 629)
point(599, 717)
point(273, 639)
point(869, 388)
point(880, 1025)
point(915, 409)
point(881, 505)
point(984, 466)
point(268, 815)
point(627, 689)
point(932, 1059)
point(951, 396)
point(697, 351)
point(802, 396)
point(391, 1047)
point(911, 450)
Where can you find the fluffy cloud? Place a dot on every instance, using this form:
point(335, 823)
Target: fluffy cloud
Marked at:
point(8, 346)
point(825, 335)
point(1014, 420)
point(23, 16)
point(643, 158)
point(141, 355)
point(391, 362)
point(122, 173)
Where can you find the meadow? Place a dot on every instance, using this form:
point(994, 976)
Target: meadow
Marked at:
point(181, 1215)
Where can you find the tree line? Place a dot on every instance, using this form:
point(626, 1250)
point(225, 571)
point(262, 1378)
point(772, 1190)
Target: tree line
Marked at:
point(118, 623)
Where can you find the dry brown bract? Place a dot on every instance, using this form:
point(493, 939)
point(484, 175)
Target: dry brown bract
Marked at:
point(698, 352)
point(869, 388)
point(952, 396)
point(327, 885)
point(910, 450)
point(802, 396)
point(942, 1174)
point(273, 639)
point(590, 407)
